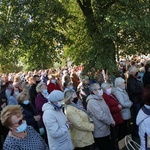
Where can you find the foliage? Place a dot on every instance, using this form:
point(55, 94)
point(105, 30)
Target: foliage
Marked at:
point(108, 27)
point(35, 28)
point(36, 34)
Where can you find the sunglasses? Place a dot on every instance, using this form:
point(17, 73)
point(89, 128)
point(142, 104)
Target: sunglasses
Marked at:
point(20, 121)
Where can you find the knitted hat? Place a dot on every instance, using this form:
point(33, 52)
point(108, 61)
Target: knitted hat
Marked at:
point(55, 96)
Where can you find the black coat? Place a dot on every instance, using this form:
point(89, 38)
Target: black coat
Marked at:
point(33, 94)
point(146, 78)
point(134, 89)
point(29, 111)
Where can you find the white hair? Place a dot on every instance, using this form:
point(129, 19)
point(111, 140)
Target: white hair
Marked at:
point(105, 85)
point(119, 81)
point(132, 69)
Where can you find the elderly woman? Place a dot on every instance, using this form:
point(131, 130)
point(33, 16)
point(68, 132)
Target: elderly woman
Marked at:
point(81, 127)
point(56, 123)
point(143, 120)
point(29, 111)
point(102, 118)
point(41, 97)
point(40, 100)
point(135, 89)
point(123, 99)
point(20, 135)
point(115, 109)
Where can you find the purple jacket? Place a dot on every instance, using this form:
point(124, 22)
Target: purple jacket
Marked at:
point(39, 101)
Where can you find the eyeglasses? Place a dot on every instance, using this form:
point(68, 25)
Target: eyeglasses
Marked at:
point(20, 121)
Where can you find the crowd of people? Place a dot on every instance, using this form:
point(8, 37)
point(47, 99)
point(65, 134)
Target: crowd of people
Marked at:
point(64, 109)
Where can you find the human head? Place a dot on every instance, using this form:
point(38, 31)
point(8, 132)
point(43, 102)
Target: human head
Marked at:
point(133, 70)
point(99, 77)
point(15, 91)
point(69, 96)
point(25, 85)
point(9, 116)
point(9, 84)
point(52, 78)
point(17, 79)
point(96, 89)
point(120, 82)
point(147, 67)
point(55, 96)
point(146, 95)
point(23, 96)
point(37, 79)
point(40, 87)
point(31, 80)
point(85, 79)
point(68, 84)
point(106, 88)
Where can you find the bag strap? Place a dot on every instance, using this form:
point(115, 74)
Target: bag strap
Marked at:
point(130, 143)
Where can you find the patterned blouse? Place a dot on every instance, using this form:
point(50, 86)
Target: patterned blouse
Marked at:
point(33, 141)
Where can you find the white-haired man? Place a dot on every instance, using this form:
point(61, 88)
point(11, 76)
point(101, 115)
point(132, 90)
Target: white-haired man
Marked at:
point(135, 89)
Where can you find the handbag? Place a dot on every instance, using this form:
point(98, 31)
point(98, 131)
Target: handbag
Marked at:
point(127, 143)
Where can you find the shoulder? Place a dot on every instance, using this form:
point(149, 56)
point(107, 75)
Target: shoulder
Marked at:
point(10, 143)
point(71, 109)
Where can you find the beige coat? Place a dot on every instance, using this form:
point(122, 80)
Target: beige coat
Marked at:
point(81, 129)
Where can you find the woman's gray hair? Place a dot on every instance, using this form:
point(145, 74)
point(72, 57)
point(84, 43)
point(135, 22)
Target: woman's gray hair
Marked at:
point(67, 96)
point(119, 81)
point(105, 85)
point(132, 69)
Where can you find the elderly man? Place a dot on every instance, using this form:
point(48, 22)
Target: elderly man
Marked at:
point(102, 118)
point(135, 89)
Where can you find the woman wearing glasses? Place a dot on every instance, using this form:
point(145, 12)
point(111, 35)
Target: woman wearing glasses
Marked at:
point(20, 136)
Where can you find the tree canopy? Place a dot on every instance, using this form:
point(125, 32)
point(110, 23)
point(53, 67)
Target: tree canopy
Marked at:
point(35, 33)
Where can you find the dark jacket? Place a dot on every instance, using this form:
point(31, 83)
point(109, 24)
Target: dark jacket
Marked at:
point(3, 98)
point(33, 94)
point(134, 89)
point(146, 78)
point(83, 93)
point(39, 101)
point(29, 111)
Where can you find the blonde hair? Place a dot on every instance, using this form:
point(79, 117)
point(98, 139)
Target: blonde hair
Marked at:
point(8, 112)
point(38, 88)
point(22, 95)
point(67, 96)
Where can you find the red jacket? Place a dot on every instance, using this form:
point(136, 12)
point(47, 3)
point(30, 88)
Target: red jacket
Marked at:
point(113, 103)
point(51, 87)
